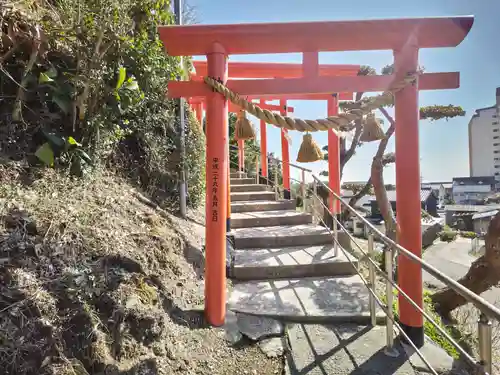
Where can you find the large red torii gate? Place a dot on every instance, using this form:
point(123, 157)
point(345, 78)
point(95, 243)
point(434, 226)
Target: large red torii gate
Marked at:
point(403, 36)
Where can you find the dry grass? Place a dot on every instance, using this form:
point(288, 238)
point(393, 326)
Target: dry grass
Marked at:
point(95, 281)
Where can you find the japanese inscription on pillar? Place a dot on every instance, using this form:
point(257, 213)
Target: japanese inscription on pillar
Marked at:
point(215, 188)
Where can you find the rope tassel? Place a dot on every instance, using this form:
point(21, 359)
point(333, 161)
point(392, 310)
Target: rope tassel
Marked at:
point(372, 130)
point(243, 127)
point(309, 150)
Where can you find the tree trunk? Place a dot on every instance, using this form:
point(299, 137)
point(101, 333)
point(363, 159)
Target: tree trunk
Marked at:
point(483, 274)
point(355, 140)
point(380, 156)
point(377, 176)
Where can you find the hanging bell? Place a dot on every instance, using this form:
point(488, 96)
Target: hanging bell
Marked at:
point(309, 150)
point(243, 128)
point(372, 130)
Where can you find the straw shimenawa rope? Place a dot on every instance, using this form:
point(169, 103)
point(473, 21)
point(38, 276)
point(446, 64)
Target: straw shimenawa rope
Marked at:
point(341, 122)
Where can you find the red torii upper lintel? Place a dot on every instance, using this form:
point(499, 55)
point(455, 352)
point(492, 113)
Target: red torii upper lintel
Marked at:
point(244, 69)
point(256, 70)
point(293, 37)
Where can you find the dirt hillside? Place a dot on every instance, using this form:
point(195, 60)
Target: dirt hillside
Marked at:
point(96, 281)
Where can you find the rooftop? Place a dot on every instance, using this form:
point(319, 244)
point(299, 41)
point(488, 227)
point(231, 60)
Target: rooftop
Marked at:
point(391, 195)
point(472, 208)
point(478, 180)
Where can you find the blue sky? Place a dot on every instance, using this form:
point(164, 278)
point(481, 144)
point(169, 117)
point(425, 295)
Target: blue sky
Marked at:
point(443, 144)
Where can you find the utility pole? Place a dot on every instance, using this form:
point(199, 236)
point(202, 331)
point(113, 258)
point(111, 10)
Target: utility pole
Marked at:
point(182, 143)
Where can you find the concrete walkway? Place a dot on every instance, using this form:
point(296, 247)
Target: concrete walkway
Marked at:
point(454, 260)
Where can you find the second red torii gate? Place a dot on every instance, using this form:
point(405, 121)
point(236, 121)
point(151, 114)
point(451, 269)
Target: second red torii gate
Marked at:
point(402, 36)
point(310, 67)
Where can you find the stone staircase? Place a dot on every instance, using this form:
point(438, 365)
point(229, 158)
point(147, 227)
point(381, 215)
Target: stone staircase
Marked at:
point(294, 296)
point(284, 266)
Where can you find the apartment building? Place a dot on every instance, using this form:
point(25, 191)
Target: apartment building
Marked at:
point(484, 141)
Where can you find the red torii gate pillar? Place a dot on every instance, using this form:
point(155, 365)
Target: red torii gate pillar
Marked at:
point(408, 192)
point(285, 155)
point(263, 146)
point(333, 158)
point(217, 167)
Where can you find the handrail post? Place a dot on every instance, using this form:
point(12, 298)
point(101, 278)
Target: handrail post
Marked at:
point(485, 339)
point(335, 235)
point(257, 170)
point(276, 189)
point(371, 270)
point(303, 191)
point(313, 201)
point(390, 350)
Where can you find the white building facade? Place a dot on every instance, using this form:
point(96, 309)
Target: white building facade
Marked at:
point(484, 141)
point(472, 190)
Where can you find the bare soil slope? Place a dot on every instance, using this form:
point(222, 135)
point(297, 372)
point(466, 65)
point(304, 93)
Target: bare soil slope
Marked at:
point(95, 281)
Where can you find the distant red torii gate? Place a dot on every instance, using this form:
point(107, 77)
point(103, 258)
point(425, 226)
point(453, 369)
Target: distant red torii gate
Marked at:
point(403, 36)
point(309, 67)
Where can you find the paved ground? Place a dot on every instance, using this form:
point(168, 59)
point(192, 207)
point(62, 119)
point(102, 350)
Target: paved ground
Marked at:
point(454, 260)
point(350, 349)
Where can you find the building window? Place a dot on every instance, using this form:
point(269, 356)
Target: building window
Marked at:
point(496, 137)
point(495, 130)
point(496, 152)
point(496, 144)
point(495, 123)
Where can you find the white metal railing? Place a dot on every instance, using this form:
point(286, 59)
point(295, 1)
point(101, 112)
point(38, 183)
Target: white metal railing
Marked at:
point(487, 310)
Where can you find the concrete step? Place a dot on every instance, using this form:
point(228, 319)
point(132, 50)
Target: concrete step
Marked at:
point(248, 188)
point(238, 175)
point(242, 181)
point(253, 206)
point(269, 218)
point(291, 262)
point(253, 196)
point(307, 300)
point(281, 236)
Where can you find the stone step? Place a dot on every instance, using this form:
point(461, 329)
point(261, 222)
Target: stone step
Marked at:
point(269, 218)
point(281, 236)
point(253, 196)
point(238, 175)
point(253, 206)
point(291, 262)
point(306, 300)
point(248, 188)
point(242, 181)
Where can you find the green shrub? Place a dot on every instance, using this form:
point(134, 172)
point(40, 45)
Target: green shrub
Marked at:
point(100, 78)
point(466, 234)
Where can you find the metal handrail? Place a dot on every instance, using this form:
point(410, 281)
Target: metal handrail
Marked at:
point(487, 309)
point(483, 305)
point(393, 284)
point(290, 164)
